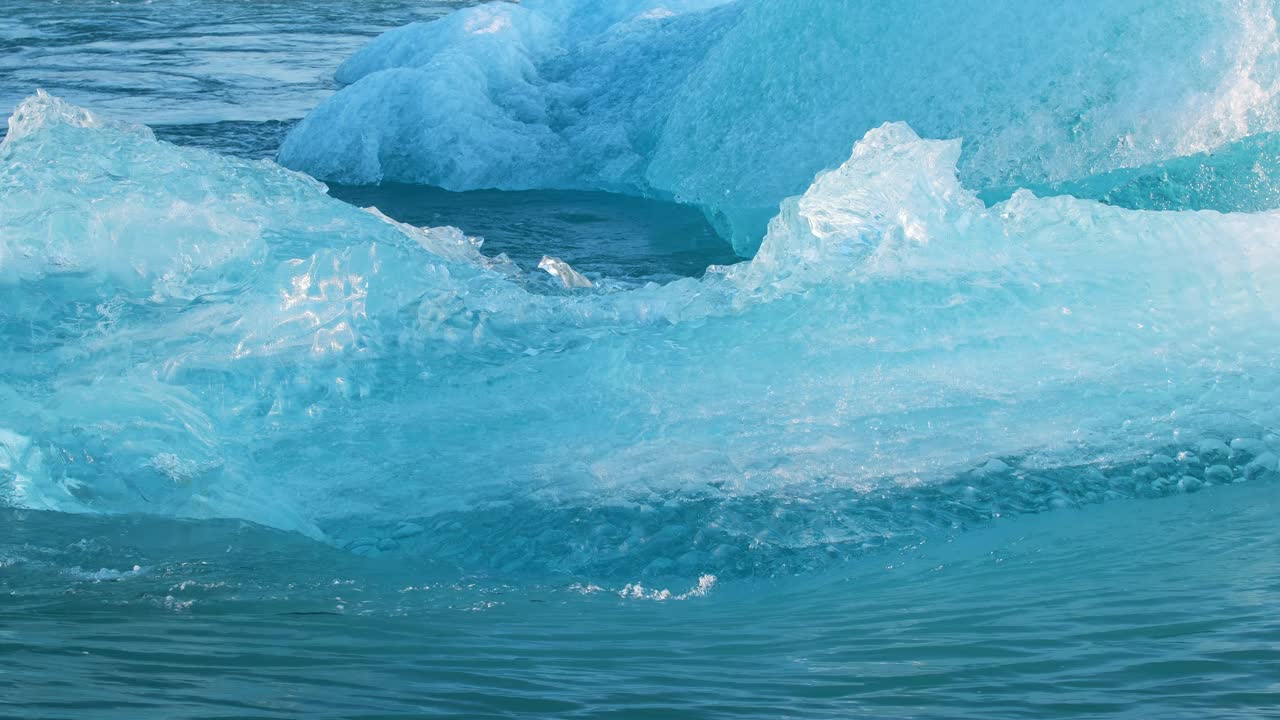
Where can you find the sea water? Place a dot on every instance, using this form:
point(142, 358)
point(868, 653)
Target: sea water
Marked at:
point(639, 359)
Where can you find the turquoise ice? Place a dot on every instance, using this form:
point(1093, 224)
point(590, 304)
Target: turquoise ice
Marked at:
point(198, 336)
point(733, 106)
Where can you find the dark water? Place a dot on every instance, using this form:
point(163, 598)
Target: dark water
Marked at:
point(611, 235)
point(163, 62)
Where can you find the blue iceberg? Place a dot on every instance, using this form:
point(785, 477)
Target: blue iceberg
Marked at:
point(734, 106)
point(194, 335)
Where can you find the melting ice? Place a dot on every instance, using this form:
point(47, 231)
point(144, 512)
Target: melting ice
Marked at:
point(733, 106)
point(195, 335)
point(975, 405)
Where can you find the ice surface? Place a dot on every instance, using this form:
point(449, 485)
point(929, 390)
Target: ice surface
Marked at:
point(733, 106)
point(530, 95)
point(564, 272)
point(1240, 176)
point(193, 335)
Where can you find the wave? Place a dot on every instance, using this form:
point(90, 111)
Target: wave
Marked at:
point(195, 335)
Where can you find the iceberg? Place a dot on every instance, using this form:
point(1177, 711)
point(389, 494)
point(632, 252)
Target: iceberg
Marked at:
point(510, 96)
point(192, 335)
point(734, 105)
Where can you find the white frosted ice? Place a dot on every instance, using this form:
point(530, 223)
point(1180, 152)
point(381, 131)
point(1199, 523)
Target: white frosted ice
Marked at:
point(564, 272)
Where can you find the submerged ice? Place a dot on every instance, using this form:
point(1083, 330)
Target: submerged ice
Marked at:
point(734, 105)
point(201, 336)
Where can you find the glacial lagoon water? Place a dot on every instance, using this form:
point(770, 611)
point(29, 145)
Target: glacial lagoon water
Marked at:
point(640, 394)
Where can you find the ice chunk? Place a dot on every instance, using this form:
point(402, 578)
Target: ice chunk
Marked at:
point(529, 95)
point(561, 270)
point(733, 106)
point(285, 358)
point(43, 110)
point(22, 480)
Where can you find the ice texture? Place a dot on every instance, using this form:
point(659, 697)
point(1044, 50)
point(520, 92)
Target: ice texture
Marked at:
point(564, 272)
point(734, 105)
point(530, 95)
point(1243, 175)
point(193, 335)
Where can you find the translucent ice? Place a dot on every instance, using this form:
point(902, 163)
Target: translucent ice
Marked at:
point(734, 106)
point(188, 334)
point(564, 272)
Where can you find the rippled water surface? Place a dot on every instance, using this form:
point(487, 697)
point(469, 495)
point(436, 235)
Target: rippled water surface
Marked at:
point(638, 508)
point(1135, 609)
point(164, 62)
